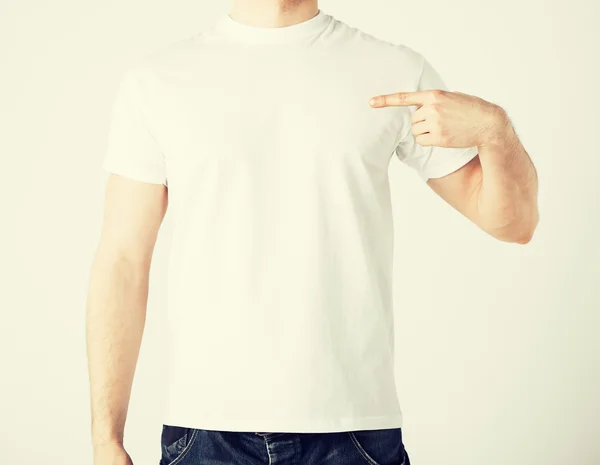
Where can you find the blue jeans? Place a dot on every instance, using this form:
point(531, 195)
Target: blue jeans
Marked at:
point(190, 446)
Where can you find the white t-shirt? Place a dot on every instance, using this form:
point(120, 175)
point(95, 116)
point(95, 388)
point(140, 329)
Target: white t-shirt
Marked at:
point(279, 296)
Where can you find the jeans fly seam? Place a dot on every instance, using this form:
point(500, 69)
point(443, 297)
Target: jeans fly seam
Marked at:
point(268, 452)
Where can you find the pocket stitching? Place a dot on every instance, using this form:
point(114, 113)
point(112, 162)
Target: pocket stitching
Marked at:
point(189, 443)
point(362, 451)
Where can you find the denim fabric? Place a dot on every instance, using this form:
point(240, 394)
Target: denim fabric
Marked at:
point(190, 446)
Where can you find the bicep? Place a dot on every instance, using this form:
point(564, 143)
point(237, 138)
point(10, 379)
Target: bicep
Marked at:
point(460, 188)
point(133, 213)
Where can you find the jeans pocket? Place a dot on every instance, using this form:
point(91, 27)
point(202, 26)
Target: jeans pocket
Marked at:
point(379, 446)
point(175, 442)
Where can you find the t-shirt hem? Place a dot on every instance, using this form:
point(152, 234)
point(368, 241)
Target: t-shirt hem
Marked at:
point(451, 165)
point(134, 174)
point(322, 425)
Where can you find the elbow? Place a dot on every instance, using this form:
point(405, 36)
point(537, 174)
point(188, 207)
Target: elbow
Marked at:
point(521, 232)
point(524, 239)
point(530, 228)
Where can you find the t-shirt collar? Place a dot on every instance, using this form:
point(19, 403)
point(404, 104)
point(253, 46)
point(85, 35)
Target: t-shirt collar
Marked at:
point(233, 29)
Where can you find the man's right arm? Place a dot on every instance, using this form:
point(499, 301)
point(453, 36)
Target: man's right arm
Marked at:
point(116, 306)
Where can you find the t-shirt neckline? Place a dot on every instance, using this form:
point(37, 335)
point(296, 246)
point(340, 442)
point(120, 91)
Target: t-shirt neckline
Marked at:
point(231, 28)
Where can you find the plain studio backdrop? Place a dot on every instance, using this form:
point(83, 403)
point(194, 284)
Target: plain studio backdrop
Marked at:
point(498, 347)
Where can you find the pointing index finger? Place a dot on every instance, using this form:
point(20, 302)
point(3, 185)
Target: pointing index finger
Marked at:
point(400, 99)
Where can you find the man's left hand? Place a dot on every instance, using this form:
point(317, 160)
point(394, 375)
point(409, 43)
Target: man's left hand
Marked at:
point(449, 119)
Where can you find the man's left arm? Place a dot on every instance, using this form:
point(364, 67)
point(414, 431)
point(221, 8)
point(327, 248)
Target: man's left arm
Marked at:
point(497, 189)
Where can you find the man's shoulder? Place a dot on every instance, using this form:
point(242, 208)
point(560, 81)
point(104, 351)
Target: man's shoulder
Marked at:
point(370, 43)
point(172, 52)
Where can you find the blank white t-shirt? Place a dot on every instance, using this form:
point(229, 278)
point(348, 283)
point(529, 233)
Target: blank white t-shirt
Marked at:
point(279, 297)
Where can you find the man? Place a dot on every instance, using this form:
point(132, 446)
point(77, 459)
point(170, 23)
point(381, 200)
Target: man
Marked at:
point(261, 136)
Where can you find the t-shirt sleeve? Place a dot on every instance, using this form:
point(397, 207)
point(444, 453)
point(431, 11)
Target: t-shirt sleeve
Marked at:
point(431, 161)
point(132, 149)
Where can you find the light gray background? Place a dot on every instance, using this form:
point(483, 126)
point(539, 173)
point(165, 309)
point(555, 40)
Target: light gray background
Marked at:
point(498, 354)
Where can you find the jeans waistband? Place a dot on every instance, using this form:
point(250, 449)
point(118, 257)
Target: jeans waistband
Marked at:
point(268, 435)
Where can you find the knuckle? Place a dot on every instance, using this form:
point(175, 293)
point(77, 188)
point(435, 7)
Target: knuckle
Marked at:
point(436, 94)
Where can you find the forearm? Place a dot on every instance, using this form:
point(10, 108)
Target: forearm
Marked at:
point(507, 192)
point(116, 313)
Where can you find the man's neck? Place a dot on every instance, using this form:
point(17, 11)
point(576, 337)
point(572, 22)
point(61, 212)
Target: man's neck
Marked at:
point(273, 13)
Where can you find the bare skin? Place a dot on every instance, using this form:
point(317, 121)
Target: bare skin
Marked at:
point(273, 13)
point(496, 190)
point(116, 306)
